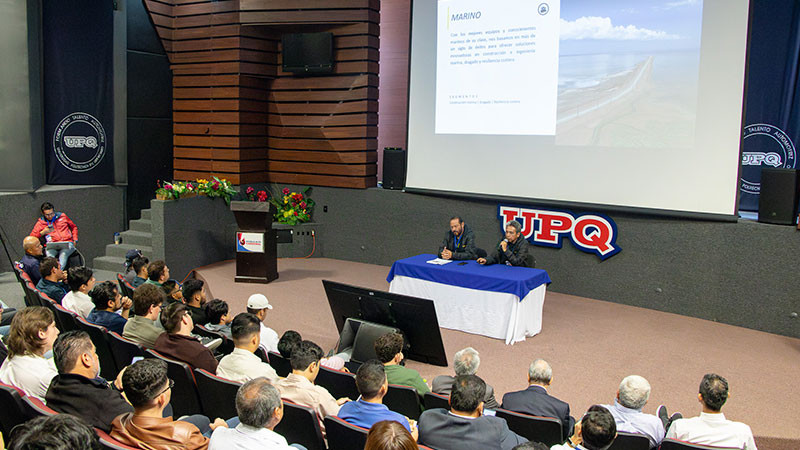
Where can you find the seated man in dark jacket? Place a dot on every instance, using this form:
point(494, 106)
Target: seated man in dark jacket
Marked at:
point(458, 243)
point(514, 250)
point(78, 388)
point(107, 301)
point(465, 427)
point(178, 343)
point(33, 257)
point(53, 282)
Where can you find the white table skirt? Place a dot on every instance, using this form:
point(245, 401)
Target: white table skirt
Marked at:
point(495, 314)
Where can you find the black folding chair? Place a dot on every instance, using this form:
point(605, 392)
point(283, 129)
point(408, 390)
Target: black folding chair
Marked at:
point(432, 400)
point(630, 441)
point(219, 394)
point(344, 436)
point(403, 400)
point(32, 295)
point(12, 409)
point(23, 278)
point(281, 365)
point(123, 350)
point(546, 430)
point(300, 426)
point(65, 319)
point(339, 384)
point(674, 444)
point(185, 398)
point(108, 366)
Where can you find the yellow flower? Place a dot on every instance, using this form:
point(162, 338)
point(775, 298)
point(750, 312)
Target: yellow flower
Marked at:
point(287, 213)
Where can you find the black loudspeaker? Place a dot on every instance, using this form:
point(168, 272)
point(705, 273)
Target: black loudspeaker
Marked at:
point(777, 201)
point(394, 168)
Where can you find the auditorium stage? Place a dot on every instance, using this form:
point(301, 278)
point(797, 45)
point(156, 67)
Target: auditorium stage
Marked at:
point(591, 345)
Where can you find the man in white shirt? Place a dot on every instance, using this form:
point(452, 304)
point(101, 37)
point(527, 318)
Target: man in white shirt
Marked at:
point(33, 331)
point(258, 305)
point(711, 427)
point(632, 395)
point(80, 281)
point(242, 364)
point(260, 409)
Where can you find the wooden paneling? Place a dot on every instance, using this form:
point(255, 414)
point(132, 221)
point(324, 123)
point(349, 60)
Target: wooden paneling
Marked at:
point(237, 115)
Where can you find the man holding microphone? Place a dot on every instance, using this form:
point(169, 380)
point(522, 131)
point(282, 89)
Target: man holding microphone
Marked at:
point(514, 250)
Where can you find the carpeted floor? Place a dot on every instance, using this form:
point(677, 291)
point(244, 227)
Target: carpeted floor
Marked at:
point(590, 344)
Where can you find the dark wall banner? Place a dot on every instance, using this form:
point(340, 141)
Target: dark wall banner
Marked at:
point(772, 115)
point(78, 91)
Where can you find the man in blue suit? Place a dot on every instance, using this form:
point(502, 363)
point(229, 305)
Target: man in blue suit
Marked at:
point(536, 401)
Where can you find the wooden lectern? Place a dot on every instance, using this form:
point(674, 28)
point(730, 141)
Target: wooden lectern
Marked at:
point(256, 242)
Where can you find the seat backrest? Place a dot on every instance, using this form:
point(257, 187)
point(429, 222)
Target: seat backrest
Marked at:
point(262, 355)
point(125, 288)
point(630, 441)
point(122, 350)
point(12, 409)
point(219, 394)
point(36, 407)
point(281, 365)
point(107, 442)
point(535, 428)
point(344, 436)
point(403, 400)
point(227, 344)
point(339, 384)
point(674, 444)
point(432, 400)
point(32, 295)
point(185, 397)
point(65, 319)
point(300, 426)
point(108, 366)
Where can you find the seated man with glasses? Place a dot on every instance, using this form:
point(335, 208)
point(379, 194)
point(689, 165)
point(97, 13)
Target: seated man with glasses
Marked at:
point(148, 389)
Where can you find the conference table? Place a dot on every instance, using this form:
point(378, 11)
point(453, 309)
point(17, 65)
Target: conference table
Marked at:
point(499, 301)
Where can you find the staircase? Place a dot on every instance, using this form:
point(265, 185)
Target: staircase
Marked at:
point(139, 235)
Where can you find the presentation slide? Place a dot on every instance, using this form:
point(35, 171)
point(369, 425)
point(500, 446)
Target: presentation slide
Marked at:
point(622, 103)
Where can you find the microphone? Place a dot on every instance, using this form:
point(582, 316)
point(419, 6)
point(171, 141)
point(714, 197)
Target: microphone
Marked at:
point(504, 240)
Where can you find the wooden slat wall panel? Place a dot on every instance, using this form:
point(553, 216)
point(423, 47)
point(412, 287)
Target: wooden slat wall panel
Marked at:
point(237, 115)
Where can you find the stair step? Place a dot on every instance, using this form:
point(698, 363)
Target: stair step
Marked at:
point(119, 251)
point(145, 214)
point(140, 225)
point(137, 238)
point(110, 263)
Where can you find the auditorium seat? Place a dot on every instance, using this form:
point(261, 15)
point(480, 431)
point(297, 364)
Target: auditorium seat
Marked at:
point(344, 436)
point(281, 365)
point(125, 288)
point(262, 355)
point(432, 400)
point(23, 278)
point(32, 295)
point(339, 384)
point(535, 428)
point(403, 400)
point(300, 426)
point(65, 319)
point(218, 397)
point(674, 444)
point(13, 411)
point(185, 397)
point(108, 367)
point(122, 350)
point(36, 407)
point(107, 442)
point(227, 344)
point(630, 441)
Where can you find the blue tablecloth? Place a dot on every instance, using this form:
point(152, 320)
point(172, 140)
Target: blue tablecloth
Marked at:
point(497, 277)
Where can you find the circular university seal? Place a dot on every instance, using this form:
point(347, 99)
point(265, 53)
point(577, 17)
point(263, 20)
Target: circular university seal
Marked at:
point(79, 142)
point(764, 145)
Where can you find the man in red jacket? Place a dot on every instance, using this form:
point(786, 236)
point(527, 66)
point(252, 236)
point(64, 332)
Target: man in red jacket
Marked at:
point(58, 229)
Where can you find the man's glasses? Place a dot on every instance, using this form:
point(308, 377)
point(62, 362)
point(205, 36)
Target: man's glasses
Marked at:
point(169, 386)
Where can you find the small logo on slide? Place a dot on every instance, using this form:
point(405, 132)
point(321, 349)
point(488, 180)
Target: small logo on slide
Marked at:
point(775, 149)
point(544, 8)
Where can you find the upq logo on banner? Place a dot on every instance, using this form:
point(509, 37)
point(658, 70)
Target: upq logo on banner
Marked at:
point(590, 233)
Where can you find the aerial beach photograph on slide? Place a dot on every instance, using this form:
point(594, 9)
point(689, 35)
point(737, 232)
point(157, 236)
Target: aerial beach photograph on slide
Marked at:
point(628, 73)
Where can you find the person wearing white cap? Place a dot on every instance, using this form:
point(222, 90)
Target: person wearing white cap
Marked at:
point(258, 304)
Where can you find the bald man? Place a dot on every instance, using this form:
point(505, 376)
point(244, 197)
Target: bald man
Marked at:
point(33, 256)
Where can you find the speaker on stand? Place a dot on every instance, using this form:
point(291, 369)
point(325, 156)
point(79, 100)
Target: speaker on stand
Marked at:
point(394, 168)
point(777, 201)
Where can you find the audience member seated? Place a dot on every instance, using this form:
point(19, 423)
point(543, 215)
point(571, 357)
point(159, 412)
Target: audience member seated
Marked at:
point(107, 300)
point(535, 400)
point(258, 305)
point(596, 431)
point(390, 435)
point(291, 338)
point(530, 445)
point(139, 269)
point(33, 332)
point(465, 427)
point(56, 227)
point(299, 386)
point(80, 280)
point(218, 318)
point(178, 343)
point(172, 289)
point(129, 273)
point(149, 390)
point(369, 408)
point(53, 279)
point(242, 364)
point(142, 328)
point(59, 432)
point(195, 298)
point(157, 272)
point(33, 257)
point(711, 427)
point(389, 349)
point(466, 362)
point(78, 388)
point(632, 395)
point(260, 409)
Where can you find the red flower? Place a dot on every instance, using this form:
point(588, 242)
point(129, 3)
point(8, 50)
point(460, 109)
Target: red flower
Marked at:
point(302, 205)
point(250, 189)
point(286, 191)
point(262, 196)
point(295, 213)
